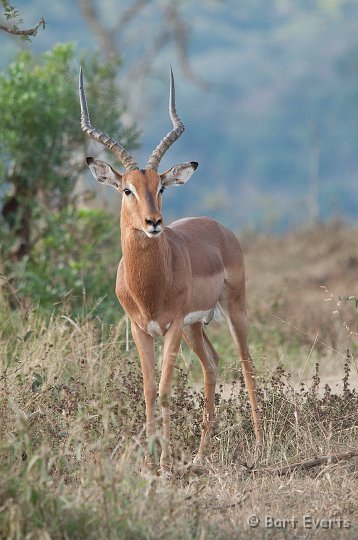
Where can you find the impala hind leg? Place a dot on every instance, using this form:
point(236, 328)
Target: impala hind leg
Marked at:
point(233, 307)
point(196, 338)
point(144, 344)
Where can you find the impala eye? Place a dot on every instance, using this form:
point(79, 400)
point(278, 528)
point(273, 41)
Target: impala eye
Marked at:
point(161, 190)
point(127, 192)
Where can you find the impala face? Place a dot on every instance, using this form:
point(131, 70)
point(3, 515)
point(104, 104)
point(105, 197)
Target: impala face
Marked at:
point(142, 192)
point(142, 201)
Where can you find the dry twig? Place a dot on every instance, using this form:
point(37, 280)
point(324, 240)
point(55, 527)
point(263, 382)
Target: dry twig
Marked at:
point(307, 464)
point(17, 32)
point(230, 504)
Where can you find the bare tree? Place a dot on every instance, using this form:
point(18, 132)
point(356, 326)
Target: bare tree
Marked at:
point(107, 36)
point(313, 175)
point(12, 16)
point(172, 29)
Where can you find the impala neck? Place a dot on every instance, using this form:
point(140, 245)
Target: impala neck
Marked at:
point(147, 262)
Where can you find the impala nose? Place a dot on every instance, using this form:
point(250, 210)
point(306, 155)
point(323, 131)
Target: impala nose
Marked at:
point(154, 225)
point(153, 222)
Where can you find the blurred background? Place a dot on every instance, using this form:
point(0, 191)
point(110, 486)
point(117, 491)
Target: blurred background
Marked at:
point(268, 91)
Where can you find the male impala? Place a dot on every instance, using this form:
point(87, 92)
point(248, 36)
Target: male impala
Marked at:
point(171, 278)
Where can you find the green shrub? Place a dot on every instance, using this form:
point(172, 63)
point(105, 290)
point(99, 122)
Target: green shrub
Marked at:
point(72, 267)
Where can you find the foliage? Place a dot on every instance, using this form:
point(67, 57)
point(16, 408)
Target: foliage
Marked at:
point(72, 409)
point(10, 12)
point(72, 439)
point(41, 156)
point(39, 106)
point(72, 267)
point(12, 15)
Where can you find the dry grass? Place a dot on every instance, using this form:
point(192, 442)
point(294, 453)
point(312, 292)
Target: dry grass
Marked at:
point(294, 284)
point(72, 417)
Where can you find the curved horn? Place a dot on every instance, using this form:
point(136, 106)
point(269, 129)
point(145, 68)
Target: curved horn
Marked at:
point(121, 153)
point(173, 135)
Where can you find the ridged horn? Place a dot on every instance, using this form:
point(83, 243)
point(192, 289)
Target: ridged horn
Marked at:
point(173, 135)
point(121, 153)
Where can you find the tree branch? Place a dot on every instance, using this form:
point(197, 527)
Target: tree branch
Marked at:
point(307, 464)
point(180, 31)
point(131, 11)
point(173, 28)
point(15, 31)
point(104, 35)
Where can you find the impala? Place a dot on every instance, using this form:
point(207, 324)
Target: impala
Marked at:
point(171, 279)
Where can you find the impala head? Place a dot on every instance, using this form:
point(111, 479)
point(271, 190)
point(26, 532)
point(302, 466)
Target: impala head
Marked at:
point(141, 189)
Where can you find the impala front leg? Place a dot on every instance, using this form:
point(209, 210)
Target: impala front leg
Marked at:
point(171, 346)
point(144, 343)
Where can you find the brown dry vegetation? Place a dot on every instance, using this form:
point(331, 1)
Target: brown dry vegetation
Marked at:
point(72, 414)
point(297, 290)
point(292, 274)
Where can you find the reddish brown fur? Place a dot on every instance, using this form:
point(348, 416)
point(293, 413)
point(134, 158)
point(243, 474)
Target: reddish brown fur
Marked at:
point(192, 266)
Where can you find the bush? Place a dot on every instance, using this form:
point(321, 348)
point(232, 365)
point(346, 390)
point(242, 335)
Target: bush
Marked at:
point(50, 252)
point(72, 267)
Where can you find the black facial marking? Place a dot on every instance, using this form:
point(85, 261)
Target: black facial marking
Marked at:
point(150, 201)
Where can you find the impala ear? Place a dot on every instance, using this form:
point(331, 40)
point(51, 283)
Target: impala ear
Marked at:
point(179, 174)
point(104, 173)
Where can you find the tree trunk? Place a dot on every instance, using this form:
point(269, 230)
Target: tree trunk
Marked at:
point(17, 213)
